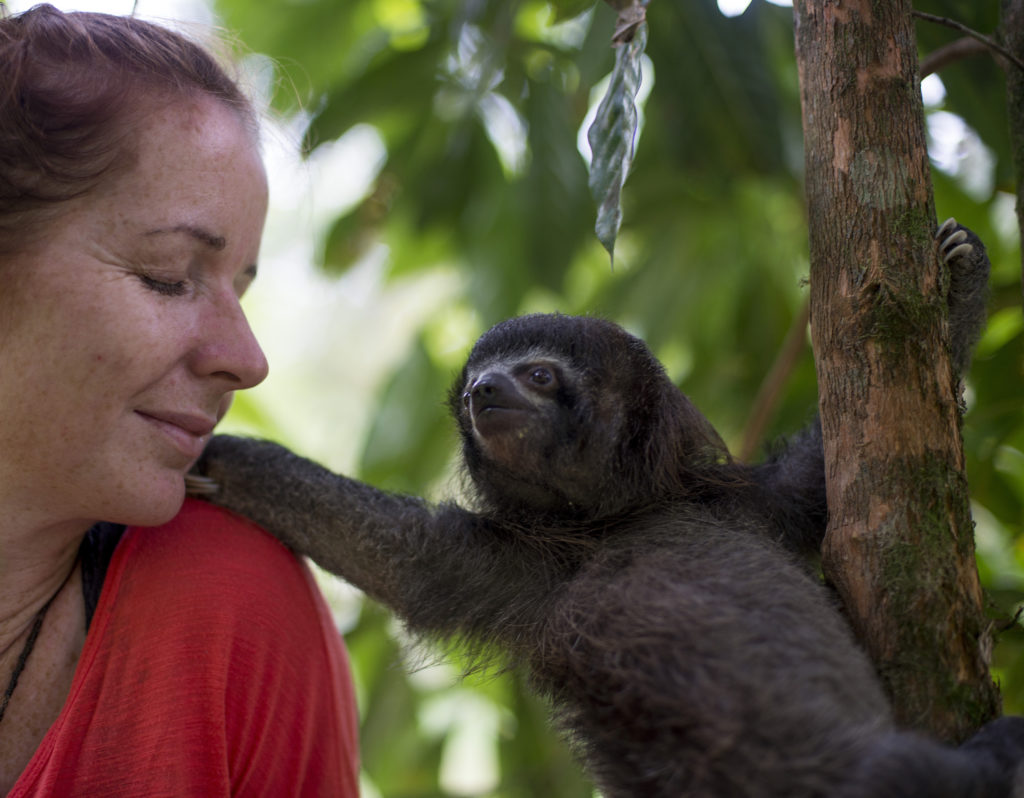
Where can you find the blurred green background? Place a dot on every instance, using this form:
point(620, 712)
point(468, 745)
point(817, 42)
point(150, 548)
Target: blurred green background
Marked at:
point(444, 187)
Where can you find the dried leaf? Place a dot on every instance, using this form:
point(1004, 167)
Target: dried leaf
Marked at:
point(627, 23)
point(611, 138)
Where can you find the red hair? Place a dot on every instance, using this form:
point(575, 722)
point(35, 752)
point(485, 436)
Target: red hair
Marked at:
point(72, 84)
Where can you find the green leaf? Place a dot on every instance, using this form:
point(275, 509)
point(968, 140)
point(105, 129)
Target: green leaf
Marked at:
point(611, 138)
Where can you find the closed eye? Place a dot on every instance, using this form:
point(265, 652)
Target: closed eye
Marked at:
point(176, 288)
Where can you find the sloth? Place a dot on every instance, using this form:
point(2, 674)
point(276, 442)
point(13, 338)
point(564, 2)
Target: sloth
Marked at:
point(653, 589)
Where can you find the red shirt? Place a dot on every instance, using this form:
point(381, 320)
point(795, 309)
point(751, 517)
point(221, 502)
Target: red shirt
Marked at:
point(212, 668)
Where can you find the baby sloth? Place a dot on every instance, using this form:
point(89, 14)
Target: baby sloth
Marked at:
point(651, 587)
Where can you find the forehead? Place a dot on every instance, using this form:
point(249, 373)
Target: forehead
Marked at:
point(195, 162)
point(197, 135)
point(511, 358)
point(513, 361)
point(480, 362)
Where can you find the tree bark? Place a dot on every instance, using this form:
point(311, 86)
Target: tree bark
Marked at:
point(899, 547)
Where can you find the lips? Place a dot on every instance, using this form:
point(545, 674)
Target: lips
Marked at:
point(496, 419)
point(186, 432)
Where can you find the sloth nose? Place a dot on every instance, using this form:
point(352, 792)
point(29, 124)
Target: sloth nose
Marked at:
point(489, 386)
point(484, 387)
point(489, 390)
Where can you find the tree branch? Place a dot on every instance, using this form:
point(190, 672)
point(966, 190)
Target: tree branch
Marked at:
point(987, 41)
point(939, 59)
point(770, 392)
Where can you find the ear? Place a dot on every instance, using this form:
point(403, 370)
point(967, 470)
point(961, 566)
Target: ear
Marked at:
point(680, 439)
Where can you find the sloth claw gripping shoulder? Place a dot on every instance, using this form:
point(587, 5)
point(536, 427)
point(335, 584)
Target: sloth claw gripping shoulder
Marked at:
point(313, 511)
point(441, 569)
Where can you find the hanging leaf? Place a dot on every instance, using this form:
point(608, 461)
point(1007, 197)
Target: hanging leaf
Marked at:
point(632, 14)
point(612, 134)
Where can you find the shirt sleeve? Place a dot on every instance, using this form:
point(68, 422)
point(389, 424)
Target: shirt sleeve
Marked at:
point(212, 668)
point(290, 710)
point(289, 707)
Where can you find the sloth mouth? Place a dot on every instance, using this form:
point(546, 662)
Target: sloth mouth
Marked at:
point(492, 418)
point(495, 405)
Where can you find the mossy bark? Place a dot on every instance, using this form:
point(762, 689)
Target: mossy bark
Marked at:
point(899, 547)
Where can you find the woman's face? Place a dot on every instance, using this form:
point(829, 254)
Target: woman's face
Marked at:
point(121, 334)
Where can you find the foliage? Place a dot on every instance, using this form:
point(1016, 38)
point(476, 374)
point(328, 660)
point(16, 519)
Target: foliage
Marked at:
point(612, 134)
point(480, 105)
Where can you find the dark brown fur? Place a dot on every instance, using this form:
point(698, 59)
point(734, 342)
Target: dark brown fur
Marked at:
point(652, 588)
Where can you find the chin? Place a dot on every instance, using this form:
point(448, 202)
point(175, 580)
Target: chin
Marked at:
point(153, 506)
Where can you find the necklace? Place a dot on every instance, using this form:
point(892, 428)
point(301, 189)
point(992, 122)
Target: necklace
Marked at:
point(30, 642)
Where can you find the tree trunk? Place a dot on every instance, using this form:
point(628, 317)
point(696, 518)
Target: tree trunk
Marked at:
point(899, 547)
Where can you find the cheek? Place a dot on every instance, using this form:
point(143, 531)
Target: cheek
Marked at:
point(139, 335)
point(101, 365)
point(225, 405)
point(92, 373)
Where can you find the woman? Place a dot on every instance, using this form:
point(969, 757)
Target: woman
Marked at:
point(194, 658)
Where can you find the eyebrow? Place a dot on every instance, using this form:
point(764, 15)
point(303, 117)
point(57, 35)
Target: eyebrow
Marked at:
point(205, 236)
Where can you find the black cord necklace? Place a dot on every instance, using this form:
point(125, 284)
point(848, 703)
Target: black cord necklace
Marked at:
point(30, 642)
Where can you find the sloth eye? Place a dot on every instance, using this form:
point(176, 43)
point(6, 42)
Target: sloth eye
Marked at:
point(541, 377)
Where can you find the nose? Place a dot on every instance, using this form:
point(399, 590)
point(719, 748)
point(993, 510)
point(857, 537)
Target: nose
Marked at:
point(484, 387)
point(492, 389)
point(489, 386)
point(228, 348)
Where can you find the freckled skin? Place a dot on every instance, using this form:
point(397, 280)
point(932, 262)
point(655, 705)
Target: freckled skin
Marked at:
point(102, 320)
point(87, 343)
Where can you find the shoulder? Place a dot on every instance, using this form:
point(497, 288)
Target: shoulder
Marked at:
point(211, 601)
point(209, 549)
point(213, 574)
point(201, 531)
